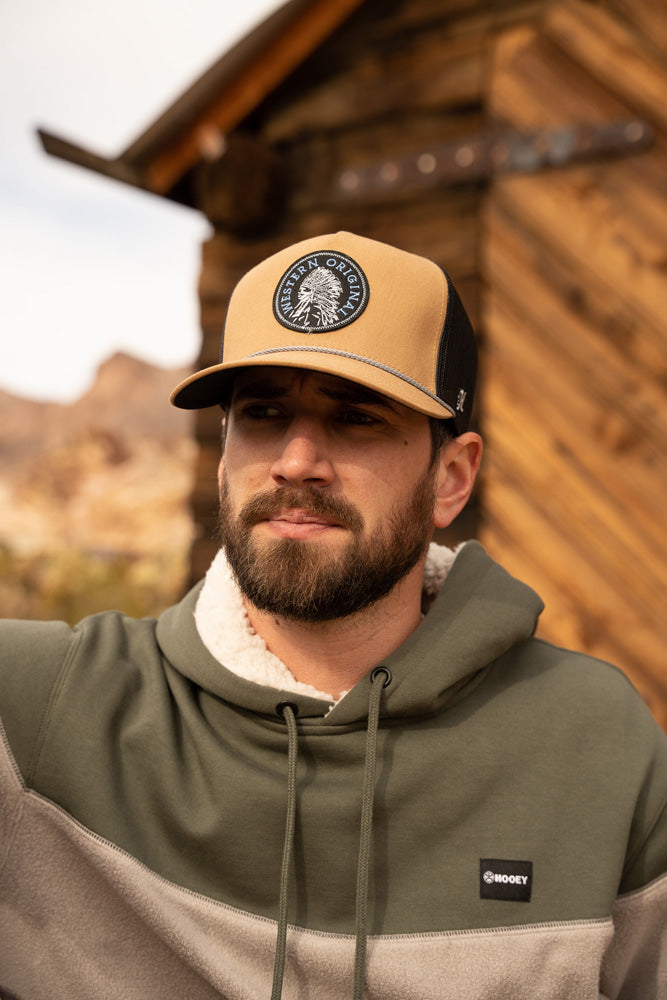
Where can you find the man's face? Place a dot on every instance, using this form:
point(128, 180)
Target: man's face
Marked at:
point(326, 493)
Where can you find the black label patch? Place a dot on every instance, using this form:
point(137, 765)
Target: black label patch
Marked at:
point(505, 879)
point(321, 292)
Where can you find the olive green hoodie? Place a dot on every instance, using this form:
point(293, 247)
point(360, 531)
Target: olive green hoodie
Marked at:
point(519, 830)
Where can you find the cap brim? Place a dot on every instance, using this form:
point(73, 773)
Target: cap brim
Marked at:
point(212, 386)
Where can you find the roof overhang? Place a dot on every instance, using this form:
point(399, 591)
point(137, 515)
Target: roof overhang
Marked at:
point(194, 127)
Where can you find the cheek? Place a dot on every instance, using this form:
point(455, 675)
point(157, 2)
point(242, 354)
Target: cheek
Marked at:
point(391, 473)
point(243, 477)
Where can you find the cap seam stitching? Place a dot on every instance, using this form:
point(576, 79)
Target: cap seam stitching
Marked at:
point(355, 357)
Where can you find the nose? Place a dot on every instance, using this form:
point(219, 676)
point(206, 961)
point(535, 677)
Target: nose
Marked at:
point(303, 459)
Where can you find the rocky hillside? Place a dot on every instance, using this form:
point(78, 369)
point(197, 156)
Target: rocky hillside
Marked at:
point(93, 496)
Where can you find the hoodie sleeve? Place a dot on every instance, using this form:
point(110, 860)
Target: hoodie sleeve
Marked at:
point(32, 658)
point(636, 962)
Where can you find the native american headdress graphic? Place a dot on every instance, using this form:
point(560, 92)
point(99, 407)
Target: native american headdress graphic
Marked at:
point(319, 295)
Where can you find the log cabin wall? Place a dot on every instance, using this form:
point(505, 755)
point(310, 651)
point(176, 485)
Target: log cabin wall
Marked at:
point(562, 271)
point(574, 396)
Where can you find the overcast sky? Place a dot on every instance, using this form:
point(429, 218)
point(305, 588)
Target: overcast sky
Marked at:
point(87, 265)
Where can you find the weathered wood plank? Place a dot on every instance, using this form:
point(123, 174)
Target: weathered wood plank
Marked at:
point(462, 15)
point(566, 563)
point(535, 84)
point(646, 16)
point(315, 164)
point(575, 370)
point(393, 59)
point(618, 449)
point(447, 230)
point(612, 53)
point(624, 485)
point(551, 299)
point(426, 74)
point(569, 620)
point(606, 243)
point(574, 550)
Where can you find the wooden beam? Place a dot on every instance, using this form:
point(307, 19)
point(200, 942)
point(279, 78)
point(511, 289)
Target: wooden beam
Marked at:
point(282, 55)
point(478, 157)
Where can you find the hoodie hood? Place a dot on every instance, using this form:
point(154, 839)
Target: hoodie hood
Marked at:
point(224, 627)
point(480, 612)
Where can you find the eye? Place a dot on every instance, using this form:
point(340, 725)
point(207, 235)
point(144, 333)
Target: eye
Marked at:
point(260, 411)
point(358, 418)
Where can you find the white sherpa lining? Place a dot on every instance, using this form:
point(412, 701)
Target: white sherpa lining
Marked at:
point(224, 628)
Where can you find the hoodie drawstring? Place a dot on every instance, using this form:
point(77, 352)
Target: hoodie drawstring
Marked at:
point(288, 712)
point(380, 677)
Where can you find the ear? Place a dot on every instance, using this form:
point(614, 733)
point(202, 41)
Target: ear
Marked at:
point(458, 464)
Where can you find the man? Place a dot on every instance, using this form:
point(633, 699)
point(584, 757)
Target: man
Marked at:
point(314, 776)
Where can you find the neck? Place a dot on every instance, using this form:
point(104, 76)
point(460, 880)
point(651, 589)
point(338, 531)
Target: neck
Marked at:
point(334, 655)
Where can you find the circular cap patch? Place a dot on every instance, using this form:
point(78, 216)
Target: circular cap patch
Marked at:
point(322, 291)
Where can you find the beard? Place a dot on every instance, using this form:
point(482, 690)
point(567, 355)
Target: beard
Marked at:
point(305, 581)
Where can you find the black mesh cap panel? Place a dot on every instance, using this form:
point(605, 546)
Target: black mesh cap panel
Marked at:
point(457, 360)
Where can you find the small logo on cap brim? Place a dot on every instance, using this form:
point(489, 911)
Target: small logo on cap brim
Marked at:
point(322, 291)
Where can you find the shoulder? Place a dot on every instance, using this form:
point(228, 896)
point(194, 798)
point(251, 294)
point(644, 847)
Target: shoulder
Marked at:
point(38, 660)
point(578, 682)
point(578, 708)
point(586, 709)
point(21, 641)
point(575, 689)
point(32, 655)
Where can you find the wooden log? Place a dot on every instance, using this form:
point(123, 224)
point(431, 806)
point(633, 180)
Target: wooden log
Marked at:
point(425, 73)
point(391, 45)
point(209, 430)
point(205, 491)
point(459, 15)
point(243, 189)
point(202, 553)
point(318, 166)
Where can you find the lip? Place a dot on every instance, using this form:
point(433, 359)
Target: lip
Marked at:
point(298, 523)
point(296, 515)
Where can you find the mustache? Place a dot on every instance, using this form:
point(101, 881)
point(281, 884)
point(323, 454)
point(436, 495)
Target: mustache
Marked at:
point(271, 502)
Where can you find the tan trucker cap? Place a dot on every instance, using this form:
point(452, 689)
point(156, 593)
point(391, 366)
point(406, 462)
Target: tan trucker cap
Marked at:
point(353, 307)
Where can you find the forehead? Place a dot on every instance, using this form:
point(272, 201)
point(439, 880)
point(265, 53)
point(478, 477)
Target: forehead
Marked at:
point(269, 381)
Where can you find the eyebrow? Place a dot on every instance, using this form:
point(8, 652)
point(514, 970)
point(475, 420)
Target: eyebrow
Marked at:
point(259, 389)
point(354, 393)
point(345, 392)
